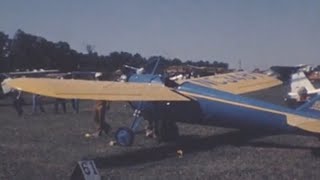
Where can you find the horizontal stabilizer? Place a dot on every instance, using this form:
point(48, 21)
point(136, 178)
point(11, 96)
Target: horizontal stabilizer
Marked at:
point(306, 124)
point(311, 126)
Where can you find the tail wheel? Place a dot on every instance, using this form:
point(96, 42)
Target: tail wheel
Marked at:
point(166, 130)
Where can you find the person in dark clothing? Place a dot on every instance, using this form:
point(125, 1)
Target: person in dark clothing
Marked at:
point(17, 101)
point(75, 105)
point(37, 103)
point(62, 102)
point(100, 109)
point(75, 102)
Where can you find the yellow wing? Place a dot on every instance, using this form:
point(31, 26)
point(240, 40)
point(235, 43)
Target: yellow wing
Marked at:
point(96, 90)
point(237, 82)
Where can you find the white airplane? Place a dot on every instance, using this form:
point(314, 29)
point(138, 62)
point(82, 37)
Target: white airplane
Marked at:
point(301, 87)
point(284, 72)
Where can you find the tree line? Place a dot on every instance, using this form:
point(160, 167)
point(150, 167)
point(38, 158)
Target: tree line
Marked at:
point(26, 52)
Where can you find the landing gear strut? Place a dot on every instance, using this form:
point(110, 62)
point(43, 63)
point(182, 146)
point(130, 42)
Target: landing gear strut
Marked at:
point(124, 135)
point(164, 127)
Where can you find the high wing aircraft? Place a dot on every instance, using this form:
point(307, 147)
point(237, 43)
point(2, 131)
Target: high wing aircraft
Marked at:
point(300, 88)
point(212, 100)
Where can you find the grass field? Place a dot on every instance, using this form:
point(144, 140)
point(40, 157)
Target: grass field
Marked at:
point(48, 146)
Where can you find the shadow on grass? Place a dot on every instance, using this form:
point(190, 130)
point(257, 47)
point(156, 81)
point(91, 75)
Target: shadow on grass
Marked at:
point(191, 144)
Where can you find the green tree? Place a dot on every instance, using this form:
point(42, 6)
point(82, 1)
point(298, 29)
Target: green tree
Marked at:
point(4, 52)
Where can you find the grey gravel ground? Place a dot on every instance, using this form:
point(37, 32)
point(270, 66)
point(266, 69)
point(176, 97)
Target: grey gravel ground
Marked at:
point(48, 146)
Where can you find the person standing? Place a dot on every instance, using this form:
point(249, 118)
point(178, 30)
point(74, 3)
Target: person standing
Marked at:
point(62, 102)
point(100, 108)
point(74, 102)
point(75, 105)
point(37, 103)
point(17, 101)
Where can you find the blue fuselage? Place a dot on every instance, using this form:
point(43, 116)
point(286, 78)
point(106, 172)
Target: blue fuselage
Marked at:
point(213, 107)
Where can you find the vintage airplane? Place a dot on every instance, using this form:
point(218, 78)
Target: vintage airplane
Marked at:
point(212, 100)
point(285, 72)
point(300, 89)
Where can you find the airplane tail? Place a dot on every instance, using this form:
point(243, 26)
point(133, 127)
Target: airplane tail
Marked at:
point(299, 81)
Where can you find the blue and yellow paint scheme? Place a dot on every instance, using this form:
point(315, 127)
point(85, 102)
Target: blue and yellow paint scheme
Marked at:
point(213, 100)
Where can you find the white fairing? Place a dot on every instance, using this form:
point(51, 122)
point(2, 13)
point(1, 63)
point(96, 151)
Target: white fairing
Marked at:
point(177, 77)
point(5, 88)
point(140, 71)
point(300, 81)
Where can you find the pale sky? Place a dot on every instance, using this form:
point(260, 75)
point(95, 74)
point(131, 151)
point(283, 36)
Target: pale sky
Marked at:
point(260, 33)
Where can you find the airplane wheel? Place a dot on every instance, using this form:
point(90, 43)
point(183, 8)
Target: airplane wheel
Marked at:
point(124, 136)
point(166, 130)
